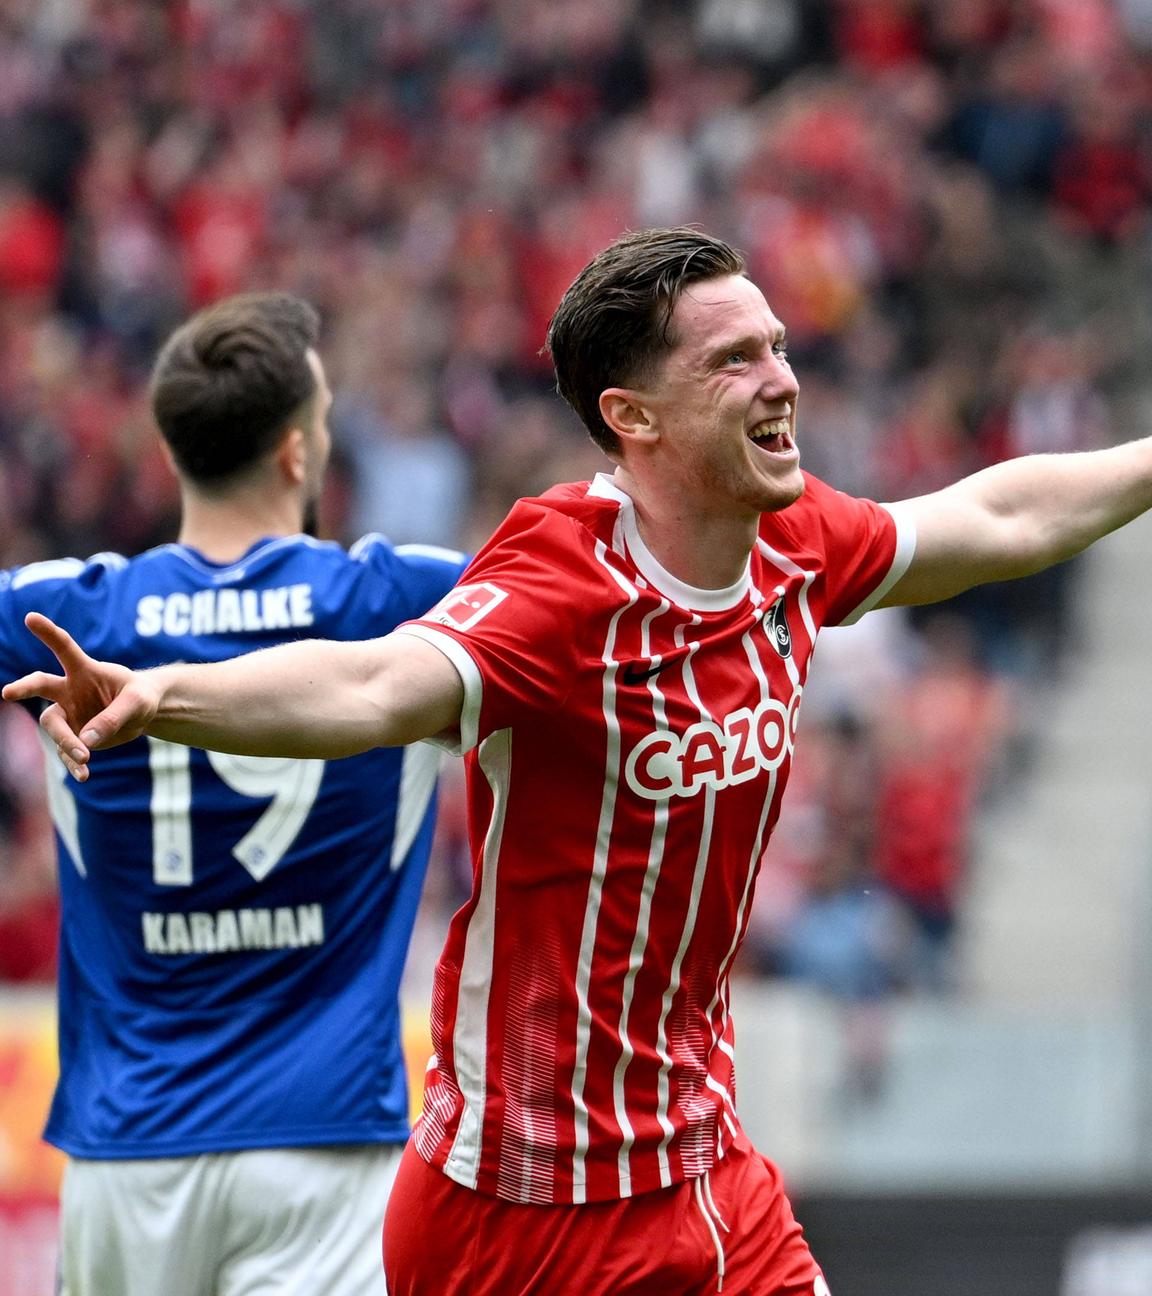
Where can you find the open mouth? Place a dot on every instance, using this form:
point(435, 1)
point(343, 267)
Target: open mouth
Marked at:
point(774, 435)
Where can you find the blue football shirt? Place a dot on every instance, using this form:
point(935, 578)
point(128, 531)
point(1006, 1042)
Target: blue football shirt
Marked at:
point(233, 928)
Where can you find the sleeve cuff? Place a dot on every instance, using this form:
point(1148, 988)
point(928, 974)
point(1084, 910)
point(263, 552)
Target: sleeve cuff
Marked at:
point(901, 558)
point(469, 672)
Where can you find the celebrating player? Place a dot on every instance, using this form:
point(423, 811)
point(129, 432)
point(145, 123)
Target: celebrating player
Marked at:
point(232, 1092)
point(624, 668)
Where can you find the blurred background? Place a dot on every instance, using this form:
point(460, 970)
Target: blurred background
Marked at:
point(945, 1004)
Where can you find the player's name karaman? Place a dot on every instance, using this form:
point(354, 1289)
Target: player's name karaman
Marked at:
point(229, 931)
point(217, 611)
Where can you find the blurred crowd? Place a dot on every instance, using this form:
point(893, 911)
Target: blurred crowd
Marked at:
point(947, 203)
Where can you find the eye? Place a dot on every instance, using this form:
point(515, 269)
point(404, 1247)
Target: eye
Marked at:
point(780, 349)
point(736, 357)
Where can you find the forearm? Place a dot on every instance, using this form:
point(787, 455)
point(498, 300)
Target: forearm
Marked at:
point(308, 699)
point(312, 699)
point(1021, 516)
point(1055, 506)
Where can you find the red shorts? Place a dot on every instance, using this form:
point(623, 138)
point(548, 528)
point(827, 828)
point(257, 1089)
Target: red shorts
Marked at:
point(731, 1232)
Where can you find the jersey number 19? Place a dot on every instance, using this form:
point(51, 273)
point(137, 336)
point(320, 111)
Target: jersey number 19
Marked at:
point(289, 786)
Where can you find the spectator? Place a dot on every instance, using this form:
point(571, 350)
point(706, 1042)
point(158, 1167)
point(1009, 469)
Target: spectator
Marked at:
point(911, 180)
point(941, 737)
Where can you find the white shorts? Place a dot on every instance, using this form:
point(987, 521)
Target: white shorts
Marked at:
point(289, 1222)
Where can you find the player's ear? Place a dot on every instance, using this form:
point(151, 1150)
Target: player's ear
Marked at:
point(627, 414)
point(292, 456)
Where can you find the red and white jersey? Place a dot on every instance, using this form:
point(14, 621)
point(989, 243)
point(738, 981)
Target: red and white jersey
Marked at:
point(628, 739)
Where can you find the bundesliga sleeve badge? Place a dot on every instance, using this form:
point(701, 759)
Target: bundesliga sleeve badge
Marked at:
point(467, 604)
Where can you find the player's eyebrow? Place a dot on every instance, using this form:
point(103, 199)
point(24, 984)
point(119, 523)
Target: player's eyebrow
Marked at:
point(746, 342)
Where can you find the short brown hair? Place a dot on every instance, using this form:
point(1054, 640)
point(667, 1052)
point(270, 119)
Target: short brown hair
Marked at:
point(227, 383)
point(612, 325)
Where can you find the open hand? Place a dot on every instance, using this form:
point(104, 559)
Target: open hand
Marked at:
point(94, 703)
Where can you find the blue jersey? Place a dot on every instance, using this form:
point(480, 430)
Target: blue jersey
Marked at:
point(233, 927)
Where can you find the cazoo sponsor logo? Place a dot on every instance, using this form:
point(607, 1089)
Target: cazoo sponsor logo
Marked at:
point(664, 764)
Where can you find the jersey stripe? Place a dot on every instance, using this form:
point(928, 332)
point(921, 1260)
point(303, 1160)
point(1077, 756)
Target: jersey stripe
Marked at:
point(789, 568)
point(421, 765)
point(596, 882)
point(49, 569)
point(654, 727)
point(61, 804)
point(721, 999)
point(693, 1156)
point(639, 944)
point(438, 552)
point(470, 1039)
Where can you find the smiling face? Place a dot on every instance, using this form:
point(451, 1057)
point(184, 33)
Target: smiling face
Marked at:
point(723, 401)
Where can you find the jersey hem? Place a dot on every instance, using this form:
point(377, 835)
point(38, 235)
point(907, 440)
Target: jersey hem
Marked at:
point(639, 1185)
point(124, 1150)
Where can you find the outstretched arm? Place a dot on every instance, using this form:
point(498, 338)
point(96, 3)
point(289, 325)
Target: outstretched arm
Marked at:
point(313, 699)
point(1021, 516)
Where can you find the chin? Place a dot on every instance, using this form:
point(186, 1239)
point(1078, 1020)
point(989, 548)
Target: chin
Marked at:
point(783, 493)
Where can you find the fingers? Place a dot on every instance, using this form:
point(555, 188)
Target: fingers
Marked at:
point(78, 769)
point(75, 697)
point(69, 748)
point(40, 684)
point(55, 724)
point(68, 652)
point(116, 724)
point(123, 719)
point(37, 685)
point(103, 730)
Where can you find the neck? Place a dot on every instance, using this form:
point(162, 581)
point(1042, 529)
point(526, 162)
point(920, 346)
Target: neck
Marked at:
point(707, 550)
point(224, 529)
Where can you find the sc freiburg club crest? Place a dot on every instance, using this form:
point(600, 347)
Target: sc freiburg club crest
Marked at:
point(777, 630)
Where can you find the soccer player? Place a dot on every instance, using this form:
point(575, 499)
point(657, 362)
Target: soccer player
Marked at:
point(624, 667)
point(232, 1093)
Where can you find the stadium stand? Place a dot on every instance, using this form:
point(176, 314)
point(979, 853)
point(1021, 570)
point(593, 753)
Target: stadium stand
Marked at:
point(947, 203)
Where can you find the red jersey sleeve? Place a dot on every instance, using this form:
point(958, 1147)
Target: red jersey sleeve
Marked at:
point(864, 547)
point(511, 627)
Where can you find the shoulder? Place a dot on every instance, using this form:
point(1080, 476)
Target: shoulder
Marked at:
point(99, 567)
point(407, 578)
point(539, 572)
point(376, 550)
point(561, 528)
point(818, 501)
point(822, 515)
point(854, 549)
point(82, 594)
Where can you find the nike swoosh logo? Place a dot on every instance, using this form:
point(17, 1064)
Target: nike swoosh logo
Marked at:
point(633, 676)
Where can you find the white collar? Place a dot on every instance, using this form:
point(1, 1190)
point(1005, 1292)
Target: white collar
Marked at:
point(659, 577)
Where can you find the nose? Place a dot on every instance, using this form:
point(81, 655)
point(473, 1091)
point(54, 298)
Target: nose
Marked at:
point(778, 382)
